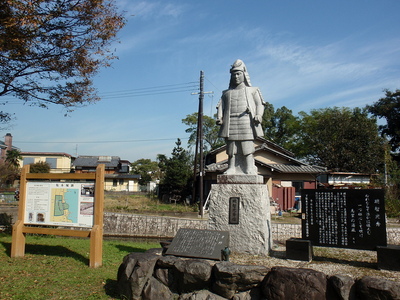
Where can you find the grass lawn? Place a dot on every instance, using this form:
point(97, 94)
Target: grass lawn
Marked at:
point(57, 268)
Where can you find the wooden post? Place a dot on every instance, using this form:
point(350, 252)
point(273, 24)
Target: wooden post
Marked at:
point(18, 240)
point(18, 236)
point(96, 247)
point(96, 234)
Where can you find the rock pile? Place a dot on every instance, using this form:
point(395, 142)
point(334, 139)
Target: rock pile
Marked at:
point(150, 276)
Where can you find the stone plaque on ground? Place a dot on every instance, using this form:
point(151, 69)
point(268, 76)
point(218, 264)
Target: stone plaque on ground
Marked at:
point(199, 243)
point(344, 218)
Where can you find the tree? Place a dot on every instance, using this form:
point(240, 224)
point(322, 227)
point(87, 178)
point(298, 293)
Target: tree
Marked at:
point(10, 168)
point(341, 139)
point(162, 161)
point(389, 109)
point(178, 171)
point(210, 131)
point(280, 126)
point(8, 175)
point(40, 167)
point(147, 169)
point(391, 181)
point(13, 157)
point(49, 50)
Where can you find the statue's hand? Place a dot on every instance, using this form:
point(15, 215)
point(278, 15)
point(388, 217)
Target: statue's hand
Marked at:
point(257, 120)
point(219, 122)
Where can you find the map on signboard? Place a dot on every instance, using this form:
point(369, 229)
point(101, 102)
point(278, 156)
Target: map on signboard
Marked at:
point(61, 203)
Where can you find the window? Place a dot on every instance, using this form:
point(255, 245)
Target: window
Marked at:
point(52, 162)
point(104, 159)
point(28, 160)
point(115, 182)
point(299, 185)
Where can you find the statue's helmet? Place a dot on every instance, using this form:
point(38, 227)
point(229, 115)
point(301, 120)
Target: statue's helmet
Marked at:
point(239, 65)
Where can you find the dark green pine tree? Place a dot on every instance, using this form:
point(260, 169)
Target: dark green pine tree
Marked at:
point(178, 171)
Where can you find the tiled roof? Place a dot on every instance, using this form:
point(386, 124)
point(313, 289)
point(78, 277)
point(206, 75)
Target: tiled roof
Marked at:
point(46, 154)
point(3, 146)
point(266, 144)
point(281, 168)
point(93, 161)
point(217, 167)
point(123, 176)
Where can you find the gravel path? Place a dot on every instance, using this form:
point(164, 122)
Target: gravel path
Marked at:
point(331, 261)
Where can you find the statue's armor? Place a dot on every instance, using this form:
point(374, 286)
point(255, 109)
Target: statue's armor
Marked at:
point(239, 119)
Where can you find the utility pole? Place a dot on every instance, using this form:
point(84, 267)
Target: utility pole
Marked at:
point(199, 147)
point(201, 187)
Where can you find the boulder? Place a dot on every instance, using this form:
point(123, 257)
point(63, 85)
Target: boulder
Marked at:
point(156, 290)
point(167, 261)
point(156, 251)
point(167, 277)
point(231, 278)
point(165, 245)
point(291, 283)
point(200, 295)
point(148, 276)
point(372, 288)
point(192, 275)
point(253, 294)
point(134, 272)
point(165, 271)
point(343, 287)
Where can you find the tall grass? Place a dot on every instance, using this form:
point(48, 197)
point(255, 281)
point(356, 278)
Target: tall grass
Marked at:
point(142, 203)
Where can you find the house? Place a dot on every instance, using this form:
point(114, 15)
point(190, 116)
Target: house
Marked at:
point(6, 146)
point(117, 177)
point(346, 179)
point(284, 175)
point(59, 162)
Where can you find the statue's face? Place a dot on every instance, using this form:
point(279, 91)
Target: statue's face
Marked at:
point(238, 77)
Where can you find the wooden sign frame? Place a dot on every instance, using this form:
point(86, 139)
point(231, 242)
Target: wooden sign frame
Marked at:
point(95, 233)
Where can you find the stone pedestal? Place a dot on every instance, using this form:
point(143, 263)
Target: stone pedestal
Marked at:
point(240, 204)
point(388, 257)
point(299, 249)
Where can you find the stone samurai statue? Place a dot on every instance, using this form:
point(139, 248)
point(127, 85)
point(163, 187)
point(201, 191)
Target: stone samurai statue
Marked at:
point(240, 112)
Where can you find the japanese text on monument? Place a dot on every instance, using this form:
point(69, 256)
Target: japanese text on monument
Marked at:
point(344, 218)
point(199, 243)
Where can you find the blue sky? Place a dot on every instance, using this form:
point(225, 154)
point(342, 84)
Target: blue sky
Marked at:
point(304, 55)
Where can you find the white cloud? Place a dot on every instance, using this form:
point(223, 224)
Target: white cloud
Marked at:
point(151, 9)
point(301, 76)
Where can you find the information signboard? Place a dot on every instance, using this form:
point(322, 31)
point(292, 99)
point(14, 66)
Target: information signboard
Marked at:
point(344, 218)
point(59, 203)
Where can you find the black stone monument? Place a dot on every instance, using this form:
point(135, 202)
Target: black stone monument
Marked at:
point(344, 218)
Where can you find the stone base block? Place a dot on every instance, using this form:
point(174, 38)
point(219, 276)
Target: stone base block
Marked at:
point(240, 179)
point(389, 257)
point(243, 210)
point(298, 249)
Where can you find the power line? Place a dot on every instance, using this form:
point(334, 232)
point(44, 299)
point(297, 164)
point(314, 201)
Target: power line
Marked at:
point(212, 84)
point(155, 90)
point(169, 86)
point(145, 94)
point(98, 142)
point(139, 92)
